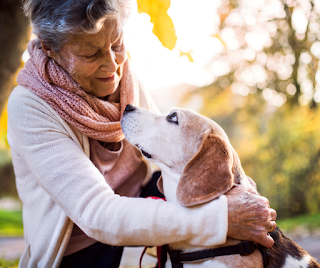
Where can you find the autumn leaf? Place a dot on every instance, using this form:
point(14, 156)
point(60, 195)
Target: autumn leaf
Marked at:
point(220, 39)
point(3, 128)
point(187, 54)
point(163, 26)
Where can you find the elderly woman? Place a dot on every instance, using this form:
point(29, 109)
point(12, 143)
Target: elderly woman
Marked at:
point(77, 176)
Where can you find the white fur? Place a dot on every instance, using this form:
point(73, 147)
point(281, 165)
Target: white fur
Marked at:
point(292, 262)
point(205, 264)
point(171, 146)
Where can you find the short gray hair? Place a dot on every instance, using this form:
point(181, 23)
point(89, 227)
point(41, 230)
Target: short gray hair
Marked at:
point(55, 21)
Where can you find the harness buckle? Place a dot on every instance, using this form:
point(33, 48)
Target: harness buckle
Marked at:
point(246, 248)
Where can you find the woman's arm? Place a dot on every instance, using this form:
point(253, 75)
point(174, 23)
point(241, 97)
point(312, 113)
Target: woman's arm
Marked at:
point(62, 169)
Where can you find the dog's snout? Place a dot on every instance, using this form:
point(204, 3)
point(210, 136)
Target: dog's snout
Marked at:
point(129, 108)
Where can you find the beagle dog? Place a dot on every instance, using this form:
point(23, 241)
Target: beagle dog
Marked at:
point(198, 164)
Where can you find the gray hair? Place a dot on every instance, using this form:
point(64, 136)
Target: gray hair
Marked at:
point(55, 21)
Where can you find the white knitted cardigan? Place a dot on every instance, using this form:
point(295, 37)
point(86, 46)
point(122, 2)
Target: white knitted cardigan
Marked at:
point(60, 186)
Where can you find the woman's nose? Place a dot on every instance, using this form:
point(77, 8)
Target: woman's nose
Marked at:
point(109, 63)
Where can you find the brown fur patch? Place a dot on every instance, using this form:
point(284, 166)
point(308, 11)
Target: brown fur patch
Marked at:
point(208, 174)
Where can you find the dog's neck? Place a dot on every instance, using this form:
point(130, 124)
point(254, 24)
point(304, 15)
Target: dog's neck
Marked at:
point(170, 183)
point(171, 179)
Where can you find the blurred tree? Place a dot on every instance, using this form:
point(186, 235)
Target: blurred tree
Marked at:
point(278, 146)
point(265, 95)
point(286, 162)
point(7, 178)
point(271, 48)
point(15, 34)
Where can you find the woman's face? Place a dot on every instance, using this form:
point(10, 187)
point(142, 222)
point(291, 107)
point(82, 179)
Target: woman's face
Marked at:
point(95, 61)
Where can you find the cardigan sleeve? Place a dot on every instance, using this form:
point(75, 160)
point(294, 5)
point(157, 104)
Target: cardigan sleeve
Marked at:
point(67, 175)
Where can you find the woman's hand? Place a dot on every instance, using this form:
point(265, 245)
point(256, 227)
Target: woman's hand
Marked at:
point(250, 216)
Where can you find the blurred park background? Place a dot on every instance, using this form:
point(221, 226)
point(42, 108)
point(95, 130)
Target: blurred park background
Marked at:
point(252, 66)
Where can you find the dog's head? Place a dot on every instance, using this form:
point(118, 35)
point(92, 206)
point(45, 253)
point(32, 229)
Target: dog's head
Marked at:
point(189, 144)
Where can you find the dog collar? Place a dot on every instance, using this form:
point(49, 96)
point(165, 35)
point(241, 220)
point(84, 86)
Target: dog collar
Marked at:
point(178, 258)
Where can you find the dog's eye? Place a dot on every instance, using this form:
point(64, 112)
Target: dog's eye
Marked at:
point(173, 118)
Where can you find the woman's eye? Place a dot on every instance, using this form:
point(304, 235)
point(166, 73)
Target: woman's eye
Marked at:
point(91, 56)
point(173, 118)
point(117, 48)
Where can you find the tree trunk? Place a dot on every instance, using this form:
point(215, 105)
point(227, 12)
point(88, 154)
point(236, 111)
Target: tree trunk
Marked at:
point(14, 36)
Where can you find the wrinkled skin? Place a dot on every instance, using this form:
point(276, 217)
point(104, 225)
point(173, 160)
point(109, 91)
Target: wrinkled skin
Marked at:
point(250, 216)
point(94, 61)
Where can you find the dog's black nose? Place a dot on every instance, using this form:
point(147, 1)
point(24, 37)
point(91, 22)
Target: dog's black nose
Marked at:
point(129, 108)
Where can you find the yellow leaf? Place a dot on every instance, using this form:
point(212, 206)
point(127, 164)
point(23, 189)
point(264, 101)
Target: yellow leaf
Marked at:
point(3, 128)
point(4, 119)
point(187, 54)
point(163, 26)
point(220, 39)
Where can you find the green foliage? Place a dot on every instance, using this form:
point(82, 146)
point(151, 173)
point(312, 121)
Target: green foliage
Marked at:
point(11, 223)
point(310, 221)
point(9, 263)
point(286, 162)
point(278, 147)
point(267, 98)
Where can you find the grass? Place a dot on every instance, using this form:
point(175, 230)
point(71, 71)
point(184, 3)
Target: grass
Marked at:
point(310, 222)
point(8, 264)
point(10, 223)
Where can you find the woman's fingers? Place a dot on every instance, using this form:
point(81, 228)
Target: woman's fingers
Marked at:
point(273, 214)
point(250, 217)
point(265, 240)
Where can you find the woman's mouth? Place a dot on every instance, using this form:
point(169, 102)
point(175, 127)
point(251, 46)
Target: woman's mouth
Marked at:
point(108, 79)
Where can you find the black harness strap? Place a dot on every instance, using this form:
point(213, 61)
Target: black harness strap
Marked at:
point(244, 248)
point(265, 255)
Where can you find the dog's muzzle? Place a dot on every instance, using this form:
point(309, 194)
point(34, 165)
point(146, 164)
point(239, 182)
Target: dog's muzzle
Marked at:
point(127, 127)
point(129, 108)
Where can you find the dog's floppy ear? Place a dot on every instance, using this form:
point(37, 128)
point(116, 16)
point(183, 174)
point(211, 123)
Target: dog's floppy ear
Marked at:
point(208, 174)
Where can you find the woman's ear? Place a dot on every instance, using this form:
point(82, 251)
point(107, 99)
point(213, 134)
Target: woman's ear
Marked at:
point(48, 50)
point(208, 174)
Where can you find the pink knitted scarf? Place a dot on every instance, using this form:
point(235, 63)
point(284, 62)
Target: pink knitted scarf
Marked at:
point(90, 115)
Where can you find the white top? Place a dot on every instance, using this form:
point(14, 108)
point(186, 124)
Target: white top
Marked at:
point(60, 186)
